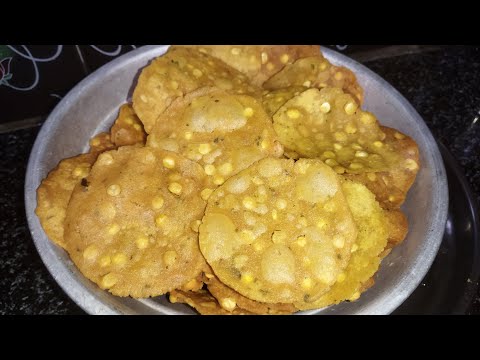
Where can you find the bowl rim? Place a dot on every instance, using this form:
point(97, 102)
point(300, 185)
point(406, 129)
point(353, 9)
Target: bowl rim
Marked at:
point(91, 304)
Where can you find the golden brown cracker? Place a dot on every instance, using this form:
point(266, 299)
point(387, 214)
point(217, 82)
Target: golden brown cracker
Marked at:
point(178, 72)
point(230, 300)
point(101, 142)
point(316, 72)
point(127, 128)
point(391, 187)
point(398, 227)
point(275, 99)
point(203, 302)
point(373, 232)
point(131, 226)
point(279, 231)
point(259, 62)
point(55, 190)
point(224, 133)
point(327, 124)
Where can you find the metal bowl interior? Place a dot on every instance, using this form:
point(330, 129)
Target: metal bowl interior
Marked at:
point(92, 106)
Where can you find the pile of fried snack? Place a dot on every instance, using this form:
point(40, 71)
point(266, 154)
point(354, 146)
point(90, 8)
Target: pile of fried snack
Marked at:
point(240, 180)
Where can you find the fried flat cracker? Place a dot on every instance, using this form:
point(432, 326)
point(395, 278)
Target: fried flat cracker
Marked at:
point(180, 71)
point(203, 302)
point(101, 142)
point(259, 62)
point(328, 124)
point(391, 187)
point(230, 300)
point(373, 232)
point(55, 190)
point(131, 225)
point(275, 99)
point(316, 72)
point(127, 128)
point(279, 232)
point(397, 226)
point(224, 133)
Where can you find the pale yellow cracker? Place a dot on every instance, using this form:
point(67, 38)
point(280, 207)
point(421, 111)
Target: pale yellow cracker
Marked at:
point(127, 128)
point(372, 238)
point(180, 71)
point(203, 302)
point(316, 72)
point(224, 133)
point(328, 124)
point(259, 62)
point(130, 226)
point(280, 231)
point(55, 190)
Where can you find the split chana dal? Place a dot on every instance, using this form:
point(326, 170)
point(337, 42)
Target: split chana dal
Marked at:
point(241, 180)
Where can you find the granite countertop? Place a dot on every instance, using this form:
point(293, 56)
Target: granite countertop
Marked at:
point(441, 84)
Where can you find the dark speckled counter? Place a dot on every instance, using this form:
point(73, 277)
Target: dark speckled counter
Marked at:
point(442, 85)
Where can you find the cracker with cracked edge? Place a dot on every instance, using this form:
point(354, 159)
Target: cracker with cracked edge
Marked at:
point(259, 62)
point(224, 133)
point(391, 187)
point(365, 260)
point(178, 72)
point(131, 226)
point(127, 128)
point(328, 124)
point(279, 231)
point(55, 190)
point(316, 72)
point(203, 302)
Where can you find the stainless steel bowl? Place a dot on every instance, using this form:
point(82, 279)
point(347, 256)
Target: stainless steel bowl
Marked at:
point(91, 107)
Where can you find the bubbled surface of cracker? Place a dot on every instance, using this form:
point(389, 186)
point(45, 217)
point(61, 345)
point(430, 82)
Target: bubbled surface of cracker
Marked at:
point(203, 302)
point(223, 132)
point(101, 142)
point(259, 62)
point(54, 193)
point(391, 187)
point(127, 128)
point(128, 227)
point(372, 237)
point(279, 231)
point(328, 124)
point(316, 72)
point(230, 300)
point(180, 71)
